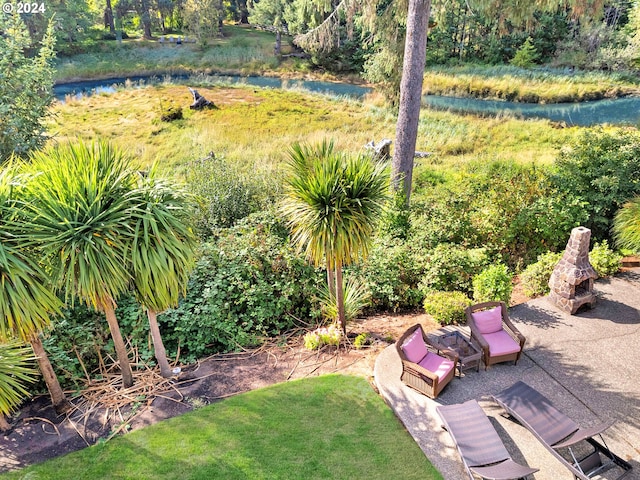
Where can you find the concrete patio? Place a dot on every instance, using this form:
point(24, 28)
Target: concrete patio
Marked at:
point(587, 364)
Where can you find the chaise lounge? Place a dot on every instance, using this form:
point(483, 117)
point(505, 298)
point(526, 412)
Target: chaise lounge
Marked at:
point(422, 367)
point(491, 328)
point(478, 443)
point(558, 433)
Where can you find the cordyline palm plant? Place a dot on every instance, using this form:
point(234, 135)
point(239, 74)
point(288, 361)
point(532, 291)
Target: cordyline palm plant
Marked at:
point(15, 371)
point(26, 301)
point(626, 226)
point(333, 203)
point(81, 200)
point(162, 254)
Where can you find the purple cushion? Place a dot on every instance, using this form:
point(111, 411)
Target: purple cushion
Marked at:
point(436, 364)
point(489, 321)
point(501, 343)
point(414, 348)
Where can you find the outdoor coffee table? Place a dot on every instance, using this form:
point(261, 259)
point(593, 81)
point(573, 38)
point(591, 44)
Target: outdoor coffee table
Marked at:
point(453, 338)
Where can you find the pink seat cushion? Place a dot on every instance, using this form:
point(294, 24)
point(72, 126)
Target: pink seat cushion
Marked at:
point(414, 348)
point(489, 321)
point(501, 343)
point(436, 364)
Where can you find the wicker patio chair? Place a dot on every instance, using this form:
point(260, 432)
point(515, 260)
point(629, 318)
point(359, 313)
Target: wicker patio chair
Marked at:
point(491, 328)
point(422, 367)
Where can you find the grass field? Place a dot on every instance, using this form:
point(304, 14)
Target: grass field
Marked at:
point(327, 427)
point(255, 127)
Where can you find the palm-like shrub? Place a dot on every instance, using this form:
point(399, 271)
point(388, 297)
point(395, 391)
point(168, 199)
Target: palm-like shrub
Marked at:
point(15, 371)
point(81, 201)
point(26, 300)
point(162, 254)
point(332, 203)
point(626, 226)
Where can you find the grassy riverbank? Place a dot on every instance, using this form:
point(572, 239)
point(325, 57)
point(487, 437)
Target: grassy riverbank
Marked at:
point(527, 85)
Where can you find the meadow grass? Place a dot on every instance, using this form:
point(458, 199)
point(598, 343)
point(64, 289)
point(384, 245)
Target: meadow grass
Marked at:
point(242, 50)
point(526, 85)
point(255, 127)
point(331, 426)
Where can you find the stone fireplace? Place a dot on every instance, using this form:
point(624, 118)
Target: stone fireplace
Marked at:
point(572, 279)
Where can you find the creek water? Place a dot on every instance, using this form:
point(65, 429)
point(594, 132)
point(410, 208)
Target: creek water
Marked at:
point(89, 87)
point(614, 111)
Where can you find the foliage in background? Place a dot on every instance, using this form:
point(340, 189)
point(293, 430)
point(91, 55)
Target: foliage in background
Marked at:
point(526, 56)
point(605, 261)
point(535, 278)
point(493, 284)
point(446, 308)
point(25, 86)
point(601, 168)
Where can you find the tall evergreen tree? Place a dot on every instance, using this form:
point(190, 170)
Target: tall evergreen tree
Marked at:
point(25, 86)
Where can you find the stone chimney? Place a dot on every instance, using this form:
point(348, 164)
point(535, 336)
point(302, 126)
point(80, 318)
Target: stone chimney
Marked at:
point(572, 279)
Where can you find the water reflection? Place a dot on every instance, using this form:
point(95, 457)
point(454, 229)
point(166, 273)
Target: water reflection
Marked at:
point(89, 87)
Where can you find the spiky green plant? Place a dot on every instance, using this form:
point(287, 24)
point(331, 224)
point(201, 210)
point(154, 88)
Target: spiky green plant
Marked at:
point(356, 298)
point(81, 202)
point(333, 203)
point(626, 226)
point(162, 254)
point(16, 370)
point(26, 300)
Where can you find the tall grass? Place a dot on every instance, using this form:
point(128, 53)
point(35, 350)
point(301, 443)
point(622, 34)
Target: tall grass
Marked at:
point(527, 85)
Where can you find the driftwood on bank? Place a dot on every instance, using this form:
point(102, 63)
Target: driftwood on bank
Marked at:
point(199, 102)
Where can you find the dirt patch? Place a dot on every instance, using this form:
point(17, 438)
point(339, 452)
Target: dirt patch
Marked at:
point(38, 434)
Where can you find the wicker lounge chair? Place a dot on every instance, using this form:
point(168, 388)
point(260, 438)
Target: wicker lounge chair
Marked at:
point(558, 433)
point(491, 328)
point(480, 447)
point(422, 367)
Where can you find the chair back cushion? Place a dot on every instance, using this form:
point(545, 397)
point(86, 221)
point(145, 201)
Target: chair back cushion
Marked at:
point(489, 321)
point(414, 348)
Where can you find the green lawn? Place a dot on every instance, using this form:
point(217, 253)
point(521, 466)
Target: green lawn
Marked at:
point(331, 427)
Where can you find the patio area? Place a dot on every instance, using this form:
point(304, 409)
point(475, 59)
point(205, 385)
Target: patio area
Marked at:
point(587, 364)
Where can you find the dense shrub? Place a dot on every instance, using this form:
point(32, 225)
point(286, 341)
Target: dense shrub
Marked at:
point(602, 168)
point(247, 284)
point(228, 192)
point(451, 268)
point(446, 307)
point(535, 278)
point(391, 273)
point(493, 284)
point(605, 261)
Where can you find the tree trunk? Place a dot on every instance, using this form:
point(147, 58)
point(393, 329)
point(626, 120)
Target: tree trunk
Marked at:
point(415, 51)
point(244, 12)
point(331, 278)
point(277, 48)
point(108, 18)
point(145, 18)
point(58, 398)
point(118, 25)
point(158, 346)
point(342, 322)
point(118, 342)
point(4, 425)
